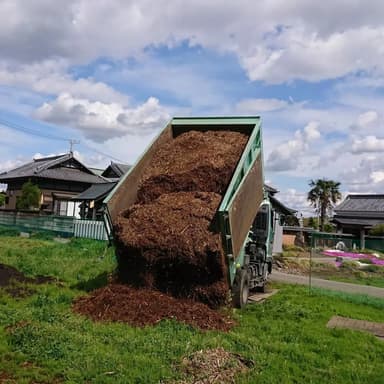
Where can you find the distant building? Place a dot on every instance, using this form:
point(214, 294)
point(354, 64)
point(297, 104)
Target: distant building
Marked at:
point(91, 200)
point(357, 214)
point(60, 178)
point(286, 214)
point(115, 170)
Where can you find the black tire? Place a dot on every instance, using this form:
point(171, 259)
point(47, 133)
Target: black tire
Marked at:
point(263, 288)
point(240, 290)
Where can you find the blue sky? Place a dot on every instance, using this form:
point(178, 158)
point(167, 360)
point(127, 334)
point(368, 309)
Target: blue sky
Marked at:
point(112, 73)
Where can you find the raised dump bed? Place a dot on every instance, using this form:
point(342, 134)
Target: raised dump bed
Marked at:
point(180, 218)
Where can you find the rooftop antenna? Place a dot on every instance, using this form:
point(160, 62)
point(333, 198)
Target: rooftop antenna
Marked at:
point(72, 142)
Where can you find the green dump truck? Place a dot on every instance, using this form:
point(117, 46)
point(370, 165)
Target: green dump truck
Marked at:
point(246, 220)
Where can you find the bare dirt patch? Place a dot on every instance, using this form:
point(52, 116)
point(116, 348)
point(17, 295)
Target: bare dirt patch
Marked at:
point(376, 329)
point(5, 378)
point(213, 366)
point(13, 281)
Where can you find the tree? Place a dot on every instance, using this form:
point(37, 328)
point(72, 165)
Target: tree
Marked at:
point(291, 220)
point(2, 199)
point(30, 196)
point(322, 196)
point(377, 230)
point(312, 222)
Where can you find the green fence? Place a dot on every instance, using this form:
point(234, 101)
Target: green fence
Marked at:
point(331, 240)
point(60, 225)
point(375, 243)
point(30, 222)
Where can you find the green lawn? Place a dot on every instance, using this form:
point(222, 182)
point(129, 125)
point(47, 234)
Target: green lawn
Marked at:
point(374, 281)
point(42, 341)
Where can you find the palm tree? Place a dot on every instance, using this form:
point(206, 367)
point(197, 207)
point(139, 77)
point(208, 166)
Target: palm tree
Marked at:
point(322, 196)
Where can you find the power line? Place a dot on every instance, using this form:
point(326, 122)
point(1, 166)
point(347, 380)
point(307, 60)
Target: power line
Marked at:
point(103, 154)
point(30, 131)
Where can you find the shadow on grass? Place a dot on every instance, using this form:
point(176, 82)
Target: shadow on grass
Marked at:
point(94, 283)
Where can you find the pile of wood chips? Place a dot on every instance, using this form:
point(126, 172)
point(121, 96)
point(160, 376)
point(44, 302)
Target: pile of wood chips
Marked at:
point(141, 307)
point(169, 239)
point(168, 244)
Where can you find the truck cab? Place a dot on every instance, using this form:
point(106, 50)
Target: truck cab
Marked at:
point(253, 274)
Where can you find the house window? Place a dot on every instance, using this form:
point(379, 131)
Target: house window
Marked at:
point(61, 207)
point(67, 208)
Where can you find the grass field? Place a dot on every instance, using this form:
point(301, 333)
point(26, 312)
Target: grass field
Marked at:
point(374, 281)
point(42, 341)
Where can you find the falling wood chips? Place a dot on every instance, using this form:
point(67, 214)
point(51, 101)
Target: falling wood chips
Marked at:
point(376, 329)
point(212, 366)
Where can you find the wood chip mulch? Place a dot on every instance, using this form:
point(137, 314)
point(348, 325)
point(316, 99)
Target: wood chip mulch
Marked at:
point(141, 307)
point(212, 366)
point(169, 240)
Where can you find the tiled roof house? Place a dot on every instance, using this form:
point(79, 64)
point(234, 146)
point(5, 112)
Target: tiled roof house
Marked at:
point(59, 178)
point(357, 214)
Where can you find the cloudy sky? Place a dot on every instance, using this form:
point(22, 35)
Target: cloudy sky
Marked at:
point(110, 73)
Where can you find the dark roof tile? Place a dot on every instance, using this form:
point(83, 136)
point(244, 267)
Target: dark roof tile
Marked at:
point(54, 168)
point(95, 192)
point(361, 203)
point(116, 170)
point(357, 222)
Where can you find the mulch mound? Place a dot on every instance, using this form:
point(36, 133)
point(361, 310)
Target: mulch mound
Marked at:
point(141, 307)
point(213, 366)
point(11, 278)
point(169, 245)
point(169, 240)
point(193, 161)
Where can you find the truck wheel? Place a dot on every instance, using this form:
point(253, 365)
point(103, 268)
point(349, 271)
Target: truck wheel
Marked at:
point(262, 288)
point(240, 290)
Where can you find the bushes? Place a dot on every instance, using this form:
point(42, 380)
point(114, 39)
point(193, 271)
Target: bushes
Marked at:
point(377, 230)
point(30, 196)
point(293, 248)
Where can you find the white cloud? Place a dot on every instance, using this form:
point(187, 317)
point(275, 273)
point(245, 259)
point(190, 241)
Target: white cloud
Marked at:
point(287, 155)
point(311, 131)
point(297, 200)
point(377, 176)
point(276, 41)
point(367, 176)
point(301, 53)
point(367, 144)
point(367, 118)
point(260, 105)
point(10, 164)
point(126, 149)
point(101, 121)
point(365, 121)
point(50, 77)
